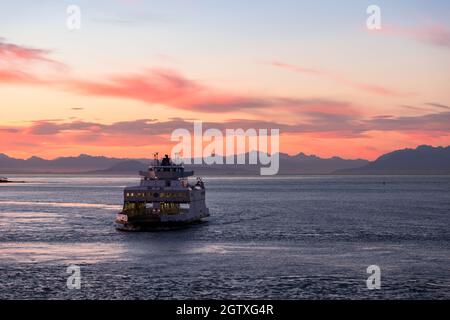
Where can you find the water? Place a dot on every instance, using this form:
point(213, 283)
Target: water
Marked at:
point(268, 238)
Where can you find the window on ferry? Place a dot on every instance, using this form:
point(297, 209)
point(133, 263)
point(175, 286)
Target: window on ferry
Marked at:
point(140, 206)
point(184, 206)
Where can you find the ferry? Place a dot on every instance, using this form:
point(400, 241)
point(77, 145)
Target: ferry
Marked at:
point(164, 200)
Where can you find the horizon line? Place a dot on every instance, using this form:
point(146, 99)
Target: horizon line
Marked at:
point(224, 156)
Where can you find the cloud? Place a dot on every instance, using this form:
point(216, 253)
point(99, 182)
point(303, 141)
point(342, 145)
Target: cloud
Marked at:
point(426, 108)
point(438, 105)
point(139, 127)
point(24, 65)
point(9, 130)
point(130, 19)
point(342, 124)
point(436, 34)
point(319, 131)
point(368, 87)
point(20, 64)
point(166, 87)
point(135, 128)
point(158, 86)
point(9, 51)
point(17, 76)
point(437, 122)
point(172, 89)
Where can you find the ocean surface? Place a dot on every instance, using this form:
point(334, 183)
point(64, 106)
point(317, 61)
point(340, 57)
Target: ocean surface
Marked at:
point(305, 237)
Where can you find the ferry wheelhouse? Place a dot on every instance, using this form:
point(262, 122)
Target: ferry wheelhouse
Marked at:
point(164, 199)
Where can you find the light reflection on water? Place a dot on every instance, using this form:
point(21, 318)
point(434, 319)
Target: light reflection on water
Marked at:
point(22, 220)
point(232, 248)
point(35, 252)
point(62, 204)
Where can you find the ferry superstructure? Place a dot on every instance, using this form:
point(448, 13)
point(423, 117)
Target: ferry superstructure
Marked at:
point(164, 199)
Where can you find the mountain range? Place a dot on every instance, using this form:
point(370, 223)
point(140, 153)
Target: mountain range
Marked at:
point(422, 160)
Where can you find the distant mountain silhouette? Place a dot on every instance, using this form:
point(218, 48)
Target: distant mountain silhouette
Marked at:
point(422, 160)
point(299, 164)
point(78, 164)
point(125, 167)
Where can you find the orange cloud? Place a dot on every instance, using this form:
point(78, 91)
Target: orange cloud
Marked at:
point(323, 134)
point(170, 88)
point(158, 86)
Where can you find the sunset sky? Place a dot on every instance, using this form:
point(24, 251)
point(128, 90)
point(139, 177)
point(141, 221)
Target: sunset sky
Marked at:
point(137, 70)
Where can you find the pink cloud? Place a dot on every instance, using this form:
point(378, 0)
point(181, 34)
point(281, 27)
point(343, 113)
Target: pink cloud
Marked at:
point(20, 64)
point(24, 65)
point(340, 79)
point(296, 68)
point(172, 89)
point(10, 76)
point(9, 51)
point(436, 34)
point(166, 87)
